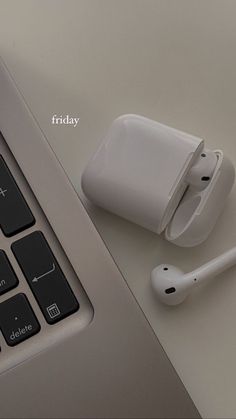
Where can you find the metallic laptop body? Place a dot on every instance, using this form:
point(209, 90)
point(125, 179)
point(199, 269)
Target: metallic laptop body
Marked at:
point(74, 342)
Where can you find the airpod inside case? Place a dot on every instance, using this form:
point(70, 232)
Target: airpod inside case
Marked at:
point(139, 172)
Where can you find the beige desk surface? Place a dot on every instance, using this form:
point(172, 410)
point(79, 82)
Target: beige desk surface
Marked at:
point(173, 61)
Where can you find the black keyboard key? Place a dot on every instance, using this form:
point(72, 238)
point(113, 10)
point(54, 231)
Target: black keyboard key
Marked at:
point(17, 320)
point(45, 277)
point(15, 214)
point(8, 279)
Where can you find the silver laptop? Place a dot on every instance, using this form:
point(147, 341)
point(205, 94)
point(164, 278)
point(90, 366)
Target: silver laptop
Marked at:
point(74, 342)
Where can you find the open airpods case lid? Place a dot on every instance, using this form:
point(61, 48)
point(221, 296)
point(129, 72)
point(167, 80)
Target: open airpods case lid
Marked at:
point(197, 212)
point(139, 172)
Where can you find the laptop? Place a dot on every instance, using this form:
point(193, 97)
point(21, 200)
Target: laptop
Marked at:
point(74, 341)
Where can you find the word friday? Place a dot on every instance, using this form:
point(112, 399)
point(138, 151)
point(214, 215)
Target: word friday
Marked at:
point(65, 120)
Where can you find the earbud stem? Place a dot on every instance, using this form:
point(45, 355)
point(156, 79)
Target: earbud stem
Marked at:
point(214, 267)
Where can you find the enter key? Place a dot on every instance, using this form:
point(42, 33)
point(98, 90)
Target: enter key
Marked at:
point(45, 277)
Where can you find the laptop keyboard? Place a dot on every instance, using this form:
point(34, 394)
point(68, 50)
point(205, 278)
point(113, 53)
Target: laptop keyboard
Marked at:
point(37, 263)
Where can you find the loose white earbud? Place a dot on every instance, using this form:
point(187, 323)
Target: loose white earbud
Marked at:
point(172, 286)
point(201, 173)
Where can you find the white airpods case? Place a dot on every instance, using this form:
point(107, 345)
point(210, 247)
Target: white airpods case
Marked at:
point(140, 172)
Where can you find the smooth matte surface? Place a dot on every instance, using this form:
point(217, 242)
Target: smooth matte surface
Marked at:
point(170, 61)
